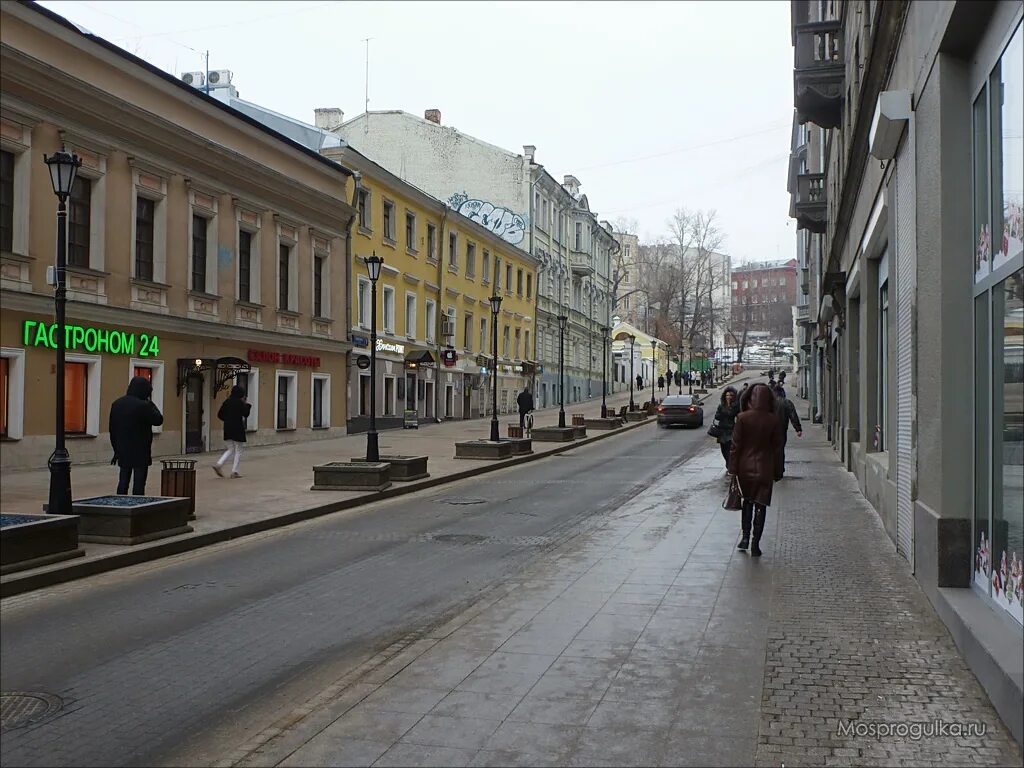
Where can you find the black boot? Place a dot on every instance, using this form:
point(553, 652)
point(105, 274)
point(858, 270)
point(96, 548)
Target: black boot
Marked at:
point(746, 516)
point(759, 515)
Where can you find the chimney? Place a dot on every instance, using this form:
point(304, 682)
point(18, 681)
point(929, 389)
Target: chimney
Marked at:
point(328, 118)
point(529, 151)
point(433, 115)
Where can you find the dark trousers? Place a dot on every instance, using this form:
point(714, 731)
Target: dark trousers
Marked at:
point(753, 515)
point(726, 447)
point(522, 419)
point(782, 452)
point(139, 486)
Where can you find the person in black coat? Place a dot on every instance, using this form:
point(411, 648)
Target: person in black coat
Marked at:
point(725, 417)
point(132, 418)
point(525, 403)
point(787, 414)
point(233, 412)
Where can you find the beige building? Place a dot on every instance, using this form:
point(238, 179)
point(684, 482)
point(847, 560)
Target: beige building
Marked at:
point(204, 249)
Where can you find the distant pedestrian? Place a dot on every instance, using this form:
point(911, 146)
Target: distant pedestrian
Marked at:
point(639, 382)
point(787, 414)
point(525, 403)
point(745, 397)
point(233, 412)
point(132, 418)
point(725, 417)
point(753, 460)
point(661, 382)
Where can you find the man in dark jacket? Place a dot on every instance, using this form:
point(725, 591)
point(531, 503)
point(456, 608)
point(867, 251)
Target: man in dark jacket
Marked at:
point(661, 382)
point(233, 412)
point(639, 382)
point(132, 418)
point(525, 403)
point(787, 414)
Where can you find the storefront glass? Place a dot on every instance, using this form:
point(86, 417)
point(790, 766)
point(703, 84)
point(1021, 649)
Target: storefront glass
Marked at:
point(76, 381)
point(1011, 148)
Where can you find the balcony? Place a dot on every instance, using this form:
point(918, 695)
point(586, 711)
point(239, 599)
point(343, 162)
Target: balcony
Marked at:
point(811, 207)
point(818, 73)
point(581, 263)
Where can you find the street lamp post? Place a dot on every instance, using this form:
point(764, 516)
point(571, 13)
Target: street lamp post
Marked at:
point(654, 366)
point(373, 265)
point(604, 371)
point(63, 169)
point(679, 370)
point(495, 307)
point(562, 320)
point(632, 341)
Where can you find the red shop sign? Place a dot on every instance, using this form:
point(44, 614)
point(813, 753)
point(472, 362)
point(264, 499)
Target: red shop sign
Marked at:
point(286, 358)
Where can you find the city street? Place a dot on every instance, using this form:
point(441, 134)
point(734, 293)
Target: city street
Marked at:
point(585, 609)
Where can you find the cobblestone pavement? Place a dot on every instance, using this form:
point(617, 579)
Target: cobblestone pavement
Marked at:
point(648, 640)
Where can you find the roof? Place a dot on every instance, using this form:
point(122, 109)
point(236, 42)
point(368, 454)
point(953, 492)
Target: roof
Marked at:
point(307, 135)
point(194, 92)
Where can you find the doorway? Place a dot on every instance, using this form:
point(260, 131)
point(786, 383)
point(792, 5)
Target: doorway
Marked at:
point(410, 391)
point(467, 397)
point(428, 400)
point(449, 401)
point(194, 414)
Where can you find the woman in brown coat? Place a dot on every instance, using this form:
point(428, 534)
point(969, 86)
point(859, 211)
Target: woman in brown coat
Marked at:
point(755, 449)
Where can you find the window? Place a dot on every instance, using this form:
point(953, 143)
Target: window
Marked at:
point(518, 340)
point(453, 255)
point(318, 286)
point(410, 231)
point(388, 308)
point(467, 332)
point(529, 286)
point(450, 331)
point(284, 268)
point(430, 316)
point(79, 214)
point(363, 206)
point(6, 201)
point(745, 285)
point(579, 236)
point(5, 388)
point(320, 417)
point(519, 282)
point(484, 346)
point(244, 265)
point(389, 396)
point(410, 315)
point(153, 371)
point(389, 220)
point(497, 274)
point(431, 242)
point(285, 400)
point(145, 222)
point(364, 394)
point(883, 355)
point(505, 341)
point(485, 267)
point(363, 299)
point(470, 260)
point(76, 398)
point(198, 253)
point(735, 285)
point(508, 278)
point(527, 351)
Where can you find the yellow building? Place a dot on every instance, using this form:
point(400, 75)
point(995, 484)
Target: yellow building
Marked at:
point(651, 357)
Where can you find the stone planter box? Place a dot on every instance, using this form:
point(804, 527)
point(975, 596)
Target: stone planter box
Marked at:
point(554, 434)
point(351, 476)
point(579, 432)
point(612, 422)
point(29, 541)
point(403, 468)
point(131, 519)
point(636, 415)
point(483, 449)
point(522, 447)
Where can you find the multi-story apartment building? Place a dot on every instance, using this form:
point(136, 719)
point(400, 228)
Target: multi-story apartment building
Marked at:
point(434, 322)
point(762, 294)
point(916, 263)
point(630, 303)
point(204, 249)
point(518, 200)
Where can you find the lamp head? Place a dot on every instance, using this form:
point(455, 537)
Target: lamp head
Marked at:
point(373, 265)
point(495, 304)
point(562, 320)
point(63, 169)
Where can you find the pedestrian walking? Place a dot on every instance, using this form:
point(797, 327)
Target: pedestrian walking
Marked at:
point(661, 382)
point(753, 460)
point(725, 418)
point(787, 414)
point(639, 382)
point(132, 418)
point(525, 403)
point(233, 412)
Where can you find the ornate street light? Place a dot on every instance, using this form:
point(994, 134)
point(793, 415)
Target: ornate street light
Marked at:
point(562, 320)
point(63, 168)
point(679, 370)
point(632, 381)
point(373, 265)
point(654, 366)
point(495, 308)
point(604, 371)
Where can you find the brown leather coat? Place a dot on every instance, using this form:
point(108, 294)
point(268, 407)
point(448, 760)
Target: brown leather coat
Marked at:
point(756, 443)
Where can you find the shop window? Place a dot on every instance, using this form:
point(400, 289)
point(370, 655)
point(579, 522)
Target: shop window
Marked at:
point(153, 371)
point(12, 392)
point(364, 394)
point(285, 400)
point(250, 382)
point(388, 308)
point(389, 396)
point(145, 225)
point(76, 398)
point(320, 397)
point(79, 215)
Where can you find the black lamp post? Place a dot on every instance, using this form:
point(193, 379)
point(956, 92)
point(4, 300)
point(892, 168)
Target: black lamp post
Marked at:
point(495, 308)
point(562, 320)
point(604, 371)
point(63, 167)
point(632, 379)
point(373, 265)
point(679, 370)
point(654, 366)
point(689, 369)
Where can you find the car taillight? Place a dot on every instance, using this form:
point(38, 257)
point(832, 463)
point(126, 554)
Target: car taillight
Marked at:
point(692, 409)
point(661, 409)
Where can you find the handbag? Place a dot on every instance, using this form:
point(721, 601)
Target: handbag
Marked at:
point(734, 498)
point(716, 429)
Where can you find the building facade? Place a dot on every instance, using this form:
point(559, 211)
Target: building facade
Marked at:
point(204, 250)
point(762, 295)
point(916, 262)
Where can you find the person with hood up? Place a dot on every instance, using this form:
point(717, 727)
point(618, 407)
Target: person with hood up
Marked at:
point(233, 412)
point(725, 417)
point(753, 460)
point(132, 418)
point(787, 415)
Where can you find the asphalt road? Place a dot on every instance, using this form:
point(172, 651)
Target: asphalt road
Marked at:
point(176, 662)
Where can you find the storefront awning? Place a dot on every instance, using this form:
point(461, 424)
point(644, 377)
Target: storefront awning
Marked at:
point(224, 370)
point(420, 357)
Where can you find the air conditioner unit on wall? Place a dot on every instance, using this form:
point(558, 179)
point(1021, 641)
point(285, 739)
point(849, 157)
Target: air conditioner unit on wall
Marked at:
point(196, 79)
point(447, 328)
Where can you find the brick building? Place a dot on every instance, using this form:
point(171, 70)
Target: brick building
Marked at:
point(762, 294)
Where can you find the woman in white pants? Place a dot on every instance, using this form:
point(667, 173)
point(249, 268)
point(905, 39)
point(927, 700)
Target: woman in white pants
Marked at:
point(233, 412)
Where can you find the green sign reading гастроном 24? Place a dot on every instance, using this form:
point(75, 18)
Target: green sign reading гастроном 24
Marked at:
point(115, 342)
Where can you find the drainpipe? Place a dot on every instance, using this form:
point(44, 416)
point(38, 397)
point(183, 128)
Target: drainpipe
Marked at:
point(536, 291)
point(439, 314)
point(348, 254)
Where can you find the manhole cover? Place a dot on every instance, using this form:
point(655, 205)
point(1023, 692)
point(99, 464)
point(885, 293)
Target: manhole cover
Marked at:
point(460, 538)
point(463, 502)
point(18, 708)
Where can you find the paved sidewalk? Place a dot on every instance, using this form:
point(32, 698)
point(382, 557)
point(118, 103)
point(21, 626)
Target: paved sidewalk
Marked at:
point(648, 639)
point(276, 482)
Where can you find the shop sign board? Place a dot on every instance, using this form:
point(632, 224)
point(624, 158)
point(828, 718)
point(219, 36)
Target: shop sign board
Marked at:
point(287, 358)
point(362, 362)
point(360, 341)
point(387, 346)
point(114, 342)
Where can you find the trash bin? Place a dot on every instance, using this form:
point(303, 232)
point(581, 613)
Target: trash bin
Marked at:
point(178, 478)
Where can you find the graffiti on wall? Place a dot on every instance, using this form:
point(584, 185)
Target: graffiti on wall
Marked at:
point(506, 224)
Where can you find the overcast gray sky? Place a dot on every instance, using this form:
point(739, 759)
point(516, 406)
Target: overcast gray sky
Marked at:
point(651, 105)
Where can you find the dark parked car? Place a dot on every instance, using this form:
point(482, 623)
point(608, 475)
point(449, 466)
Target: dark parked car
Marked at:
point(680, 409)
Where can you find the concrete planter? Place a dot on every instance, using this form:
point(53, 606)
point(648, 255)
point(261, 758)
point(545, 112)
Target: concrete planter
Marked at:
point(554, 434)
point(403, 468)
point(579, 432)
point(29, 541)
point(351, 476)
point(636, 415)
point(483, 449)
point(131, 519)
point(612, 422)
point(522, 447)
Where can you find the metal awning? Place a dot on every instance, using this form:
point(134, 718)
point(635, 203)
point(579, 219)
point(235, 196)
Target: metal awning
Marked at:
point(420, 357)
point(224, 370)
